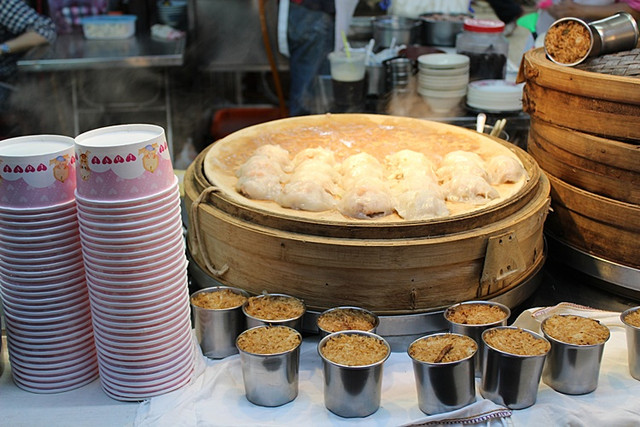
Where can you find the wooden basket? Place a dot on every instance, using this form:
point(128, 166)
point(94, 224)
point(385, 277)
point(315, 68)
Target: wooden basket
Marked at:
point(389, 269)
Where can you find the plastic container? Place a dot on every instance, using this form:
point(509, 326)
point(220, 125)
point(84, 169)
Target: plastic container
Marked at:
point(482, 40)
point(109, 27)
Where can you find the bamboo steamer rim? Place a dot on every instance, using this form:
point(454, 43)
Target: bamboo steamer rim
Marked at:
point(364, 228)
point(538, 68)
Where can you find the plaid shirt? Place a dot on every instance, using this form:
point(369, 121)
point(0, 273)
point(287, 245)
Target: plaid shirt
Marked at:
point(16, 17)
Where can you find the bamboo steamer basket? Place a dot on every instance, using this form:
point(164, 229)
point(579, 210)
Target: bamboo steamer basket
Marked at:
point(601, 166)
point(585, 131)
point(600, 104)
point(389, 268)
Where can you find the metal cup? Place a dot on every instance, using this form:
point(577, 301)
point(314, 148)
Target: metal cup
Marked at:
point(475, 331)
point(352, 391)
point(592, 38)
point(271, 379)
point(615, 33)
point(217, 329)
point(571, 368)
point(509, 379)
point(376, 319)
point(633, 343)
point(444, 387)
point(295, 323)
point(375, 79)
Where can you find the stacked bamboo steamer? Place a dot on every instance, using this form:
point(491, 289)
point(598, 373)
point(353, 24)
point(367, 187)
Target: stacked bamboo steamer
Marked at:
point(585, 135)
point(390, 267)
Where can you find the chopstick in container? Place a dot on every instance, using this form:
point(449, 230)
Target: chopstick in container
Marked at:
point(498, 127)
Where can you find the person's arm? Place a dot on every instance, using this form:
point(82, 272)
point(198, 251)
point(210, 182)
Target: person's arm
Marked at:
point(590, 13)
point(25, 41)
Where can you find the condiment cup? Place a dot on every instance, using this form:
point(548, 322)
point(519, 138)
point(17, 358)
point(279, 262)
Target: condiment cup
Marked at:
point(633, 343)
point(475, 331)
point(295, 322)
point(217, 329)
point(444, 387)
point(376, 319)
point(123, 162)
point(572, 368)
point(509, 379)
point(352, 391)
point(36, 171)
point(615, 33)
point(590, 51)
point(271, 379)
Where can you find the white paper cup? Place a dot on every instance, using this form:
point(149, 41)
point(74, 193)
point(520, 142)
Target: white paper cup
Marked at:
point(36, 171)
point(123, 162)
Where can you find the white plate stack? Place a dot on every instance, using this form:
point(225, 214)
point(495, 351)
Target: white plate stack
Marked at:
point(495, 96)
point(135, 261)
point(44, 293)
point(442, 80)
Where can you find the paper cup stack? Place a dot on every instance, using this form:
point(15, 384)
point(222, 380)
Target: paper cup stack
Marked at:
point(442, 80)
point(44, 293)
point(132, 241)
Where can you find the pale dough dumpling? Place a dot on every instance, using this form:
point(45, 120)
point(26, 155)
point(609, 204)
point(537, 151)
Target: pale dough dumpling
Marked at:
point(260, 178)
point(459, 162)
point(421, 204)
point(306, 195)
point(277, 154)
point(360, 166)
point(466, 187)
point(406, 162)
point(318, 153)
point(503, 168)
point(368, 198)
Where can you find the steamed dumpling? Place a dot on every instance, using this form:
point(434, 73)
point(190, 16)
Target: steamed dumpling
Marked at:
point(318, 153)
point(406, 162)
point(461, 162)
point(502, 168)
point(466, 187)
point(277, 154)
point(307, 195)
point(421, 204)
point(260, 178)
point(360, 166)
point(368, 198)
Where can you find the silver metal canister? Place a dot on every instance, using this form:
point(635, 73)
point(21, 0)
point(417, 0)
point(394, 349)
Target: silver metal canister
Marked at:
point(271, 379)
point(217, 329)
point(571, 368)
point(295, 323)
point(633, 343)
point(444, 387)
point(352, 391)
point(475, 331)
point(509, 379)
point(615, 33)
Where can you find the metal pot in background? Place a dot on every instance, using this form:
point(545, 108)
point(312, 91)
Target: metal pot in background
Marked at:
point(441, 29)
point(404, 30)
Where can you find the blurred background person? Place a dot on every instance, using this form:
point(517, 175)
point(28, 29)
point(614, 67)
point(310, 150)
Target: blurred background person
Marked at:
point(21, 28)
point(594, 12)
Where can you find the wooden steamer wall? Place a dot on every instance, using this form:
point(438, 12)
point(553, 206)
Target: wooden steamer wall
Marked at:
point(402, 268)
point(585, 135)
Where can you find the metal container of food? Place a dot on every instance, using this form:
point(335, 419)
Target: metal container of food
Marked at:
point(387, 28)
point(441, 29)
point(294, 322)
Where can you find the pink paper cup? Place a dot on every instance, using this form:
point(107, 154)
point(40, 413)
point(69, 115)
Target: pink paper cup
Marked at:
point(118, 207)
point(123, 162)
point(114, 217)
point(37, 171)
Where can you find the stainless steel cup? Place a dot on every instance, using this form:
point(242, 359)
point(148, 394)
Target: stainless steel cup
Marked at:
point(375, 79)
point(571, 368)
point(376, 319)
point(615, 33)
point(271, 379)
point(352, 391)
point(444, 387)
point(592, 37)
point(217, 329)
point(475, 331)
point(508, 379)
point(295, 323)
point(633, 343)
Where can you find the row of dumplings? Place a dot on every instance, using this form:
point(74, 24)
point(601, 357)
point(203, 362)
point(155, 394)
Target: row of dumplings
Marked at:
point(407, 182)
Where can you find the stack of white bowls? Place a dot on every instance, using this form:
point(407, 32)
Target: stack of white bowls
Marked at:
point(44, 293)
point(495, 96)
point(442, 80)
point(134, 253)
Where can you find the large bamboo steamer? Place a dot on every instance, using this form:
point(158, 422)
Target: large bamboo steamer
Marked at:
point(602, 166)
point(595, 103)
point(603, 227)
point(387, 268)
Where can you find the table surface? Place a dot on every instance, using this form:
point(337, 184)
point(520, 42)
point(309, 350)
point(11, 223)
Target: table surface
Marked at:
point(74, 52)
